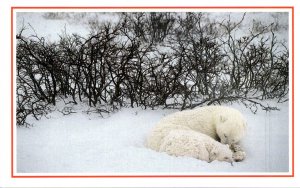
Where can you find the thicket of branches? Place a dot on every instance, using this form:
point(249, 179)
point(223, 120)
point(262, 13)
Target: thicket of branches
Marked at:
point(151, 60)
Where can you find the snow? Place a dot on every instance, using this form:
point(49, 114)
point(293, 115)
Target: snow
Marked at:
point(51, 27)
point(82, 143)
point(80, 22)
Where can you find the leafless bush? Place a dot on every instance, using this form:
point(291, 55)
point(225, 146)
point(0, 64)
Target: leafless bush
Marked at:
point(152, 60)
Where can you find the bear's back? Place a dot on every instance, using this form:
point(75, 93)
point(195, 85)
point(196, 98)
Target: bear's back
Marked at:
point(187, 143)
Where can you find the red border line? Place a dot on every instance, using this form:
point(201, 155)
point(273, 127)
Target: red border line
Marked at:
point(293, 97)
point(159, 176)
point(12, 90)
point(158, 7)
point(146, 176)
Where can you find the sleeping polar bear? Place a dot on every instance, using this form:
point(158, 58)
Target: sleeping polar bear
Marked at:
point(220, 123)
point(190, 143)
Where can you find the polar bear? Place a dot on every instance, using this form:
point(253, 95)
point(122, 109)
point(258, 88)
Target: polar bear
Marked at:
point(221, 123)
point(190, 143)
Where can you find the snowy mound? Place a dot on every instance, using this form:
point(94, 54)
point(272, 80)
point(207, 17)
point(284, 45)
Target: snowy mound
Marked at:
point(88, 144)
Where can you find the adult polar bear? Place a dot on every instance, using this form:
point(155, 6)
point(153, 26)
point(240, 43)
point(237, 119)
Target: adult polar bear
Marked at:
point(221, 123)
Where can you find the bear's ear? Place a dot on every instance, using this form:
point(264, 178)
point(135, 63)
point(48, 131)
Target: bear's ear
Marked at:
point(213, 155)
point(223, 118)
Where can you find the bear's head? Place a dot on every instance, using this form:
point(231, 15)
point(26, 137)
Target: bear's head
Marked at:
point(221, 153)
point(230, 129)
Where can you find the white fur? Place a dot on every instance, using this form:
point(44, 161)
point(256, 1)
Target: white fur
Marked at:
point(197, 145)
point(220, 123)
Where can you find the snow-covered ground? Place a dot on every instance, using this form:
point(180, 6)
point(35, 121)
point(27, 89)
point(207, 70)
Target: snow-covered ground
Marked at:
point(90, 144)
point(80, 23)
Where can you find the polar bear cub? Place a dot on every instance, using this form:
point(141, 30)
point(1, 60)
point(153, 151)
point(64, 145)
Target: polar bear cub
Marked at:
point(221, 123)
point(197, 145)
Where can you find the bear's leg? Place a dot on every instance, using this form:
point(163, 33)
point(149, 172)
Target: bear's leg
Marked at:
point(238, 153)
point(239, 156)
point(235, 147)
